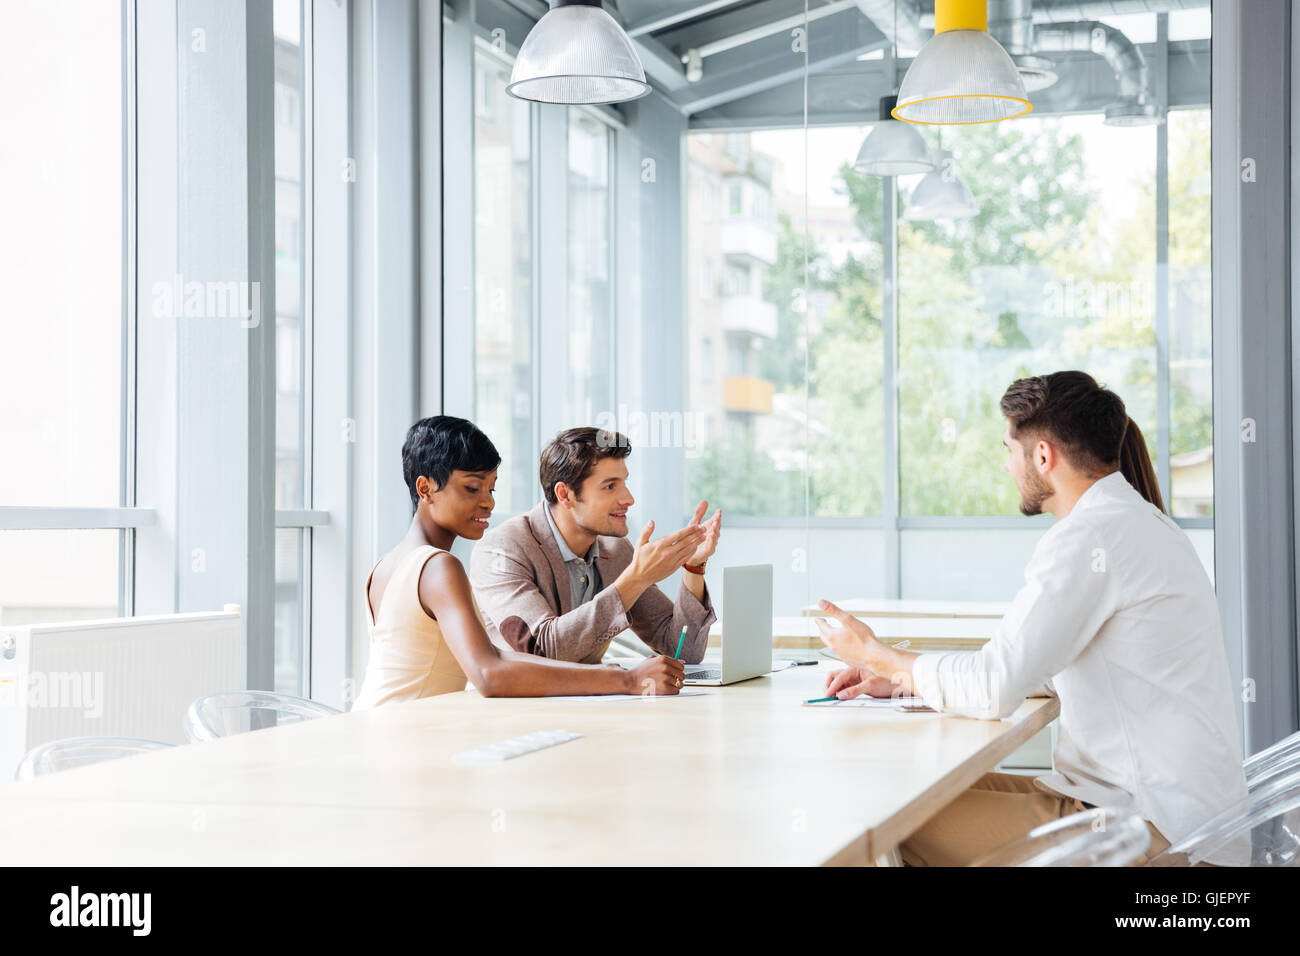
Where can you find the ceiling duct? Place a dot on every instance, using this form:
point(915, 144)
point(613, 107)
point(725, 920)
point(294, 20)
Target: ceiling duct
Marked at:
point(906, 14)
point(1135, 106)
point(1011, 23)
point(1067, 11)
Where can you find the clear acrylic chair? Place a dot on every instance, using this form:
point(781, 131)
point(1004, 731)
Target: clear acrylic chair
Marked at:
point(1262, 829)
point(239, 711)
point(79, 751)
point(1277, 760)
point(1101, 836)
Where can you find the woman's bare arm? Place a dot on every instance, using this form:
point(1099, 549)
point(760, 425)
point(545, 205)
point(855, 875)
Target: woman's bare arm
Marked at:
point(445, 593)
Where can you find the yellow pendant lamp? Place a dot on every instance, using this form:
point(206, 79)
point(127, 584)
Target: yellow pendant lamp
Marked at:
point(962, 75)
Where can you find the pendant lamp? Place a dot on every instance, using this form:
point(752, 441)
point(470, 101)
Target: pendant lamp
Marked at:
point(893, 148)
point(962, 75)
point(575, 54)
point(941, 195)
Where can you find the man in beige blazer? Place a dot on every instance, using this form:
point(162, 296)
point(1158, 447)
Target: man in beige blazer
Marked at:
point(562, 580)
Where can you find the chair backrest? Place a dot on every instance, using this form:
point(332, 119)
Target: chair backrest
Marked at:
point(1262, 829)
point(239, 711)
point(1102, 836)
point(79, 751)
point(1277, 760)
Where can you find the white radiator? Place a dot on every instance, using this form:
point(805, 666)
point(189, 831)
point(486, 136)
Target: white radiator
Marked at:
point(121, 677)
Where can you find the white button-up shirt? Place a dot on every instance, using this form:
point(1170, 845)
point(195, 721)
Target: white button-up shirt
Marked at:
point(1119, 620)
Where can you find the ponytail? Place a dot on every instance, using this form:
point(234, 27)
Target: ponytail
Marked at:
point(1135, 464)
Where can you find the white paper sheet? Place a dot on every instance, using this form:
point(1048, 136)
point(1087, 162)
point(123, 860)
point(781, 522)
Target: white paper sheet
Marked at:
point(865, 701)
point(684, 692)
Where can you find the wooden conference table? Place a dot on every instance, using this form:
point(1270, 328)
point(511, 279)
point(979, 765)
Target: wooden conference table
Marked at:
point(741, 775)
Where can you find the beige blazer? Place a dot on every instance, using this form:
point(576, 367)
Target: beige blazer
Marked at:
point(522, 589)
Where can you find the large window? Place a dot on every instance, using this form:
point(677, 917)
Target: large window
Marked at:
point(1055, 271)
point(840, 408)
point(796, 397)
point(62, 365)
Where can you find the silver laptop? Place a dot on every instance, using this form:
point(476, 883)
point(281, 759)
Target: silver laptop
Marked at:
point(746, 628)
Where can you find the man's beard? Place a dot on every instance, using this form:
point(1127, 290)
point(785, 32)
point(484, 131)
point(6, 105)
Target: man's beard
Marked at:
point(1037, 490)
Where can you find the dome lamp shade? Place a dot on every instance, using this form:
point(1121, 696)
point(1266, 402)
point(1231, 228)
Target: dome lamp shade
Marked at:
point(941, 195)
point(893, 148)
point(577, 54)
point(962, 75)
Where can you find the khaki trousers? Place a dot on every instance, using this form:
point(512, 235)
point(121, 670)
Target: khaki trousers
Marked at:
point(998, 808)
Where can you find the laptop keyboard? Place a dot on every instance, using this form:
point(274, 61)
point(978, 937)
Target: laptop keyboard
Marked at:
point(704, 675)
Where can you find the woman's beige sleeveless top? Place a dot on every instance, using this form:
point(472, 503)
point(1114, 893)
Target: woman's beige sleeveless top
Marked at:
point(408, 656)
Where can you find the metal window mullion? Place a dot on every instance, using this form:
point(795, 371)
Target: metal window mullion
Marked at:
point(1163, 340)
point(21, 518)
point(304, 610)
point(552, 268)
point(432, 322)
point(126, 443)
point(611, 266)
point(301, 517)
point(307, 387)
point(535, 277)
point(307, 379)
point(889, 388)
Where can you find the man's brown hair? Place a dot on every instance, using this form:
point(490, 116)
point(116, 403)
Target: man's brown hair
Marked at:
point(1069, 409)
point(573, 454)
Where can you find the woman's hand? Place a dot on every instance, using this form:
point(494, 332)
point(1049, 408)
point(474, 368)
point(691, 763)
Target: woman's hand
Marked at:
point(657, 675)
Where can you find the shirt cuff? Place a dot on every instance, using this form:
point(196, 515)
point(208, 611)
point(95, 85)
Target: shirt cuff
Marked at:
point(925, 679)
point(618, 620)
point(694, 607)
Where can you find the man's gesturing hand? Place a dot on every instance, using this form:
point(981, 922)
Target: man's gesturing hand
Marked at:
point(652, 561)
point(712, 531)
point(855, 643)
point(874, 668)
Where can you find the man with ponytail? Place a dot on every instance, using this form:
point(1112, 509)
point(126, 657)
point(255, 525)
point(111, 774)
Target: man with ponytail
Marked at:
point(1117, 618)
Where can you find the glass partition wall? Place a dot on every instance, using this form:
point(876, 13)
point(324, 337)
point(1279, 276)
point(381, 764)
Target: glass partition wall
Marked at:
point(809, 346)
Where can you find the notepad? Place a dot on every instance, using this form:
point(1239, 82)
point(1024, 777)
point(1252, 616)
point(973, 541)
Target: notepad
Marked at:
point(865, 701)
point(685, 692)
point(517, 746)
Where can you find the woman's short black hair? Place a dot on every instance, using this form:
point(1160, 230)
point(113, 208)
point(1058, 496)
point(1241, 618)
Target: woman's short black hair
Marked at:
point(437, 446)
